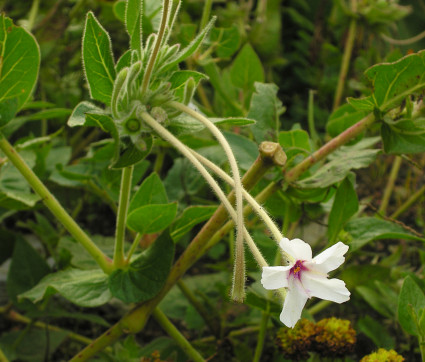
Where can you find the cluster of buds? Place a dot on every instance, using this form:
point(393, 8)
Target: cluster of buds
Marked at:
point(330, 337)
point(382, 355)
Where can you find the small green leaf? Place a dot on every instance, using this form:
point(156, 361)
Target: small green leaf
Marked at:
point(146, 274)
point(343, 118)
point(376, 300)
point(295, 142)
point(86, 288)
point(133, 23)
point(26, 269)
point(411, 299)
point(19, 64)
point(376, 332)
point(152, 191)
point(343, 161)
point(245, 150)
point(344, 206)
point(150, 219)
point(132, 154)
point(362, 104)
point(193, 215)
point(226, 41)
point(246, 69)
point(367, 229)
point(393, 82)
point(404, 136)
point(266, 109)
point(78, 115)
point(120, 9)
point(98, 60)
point(179, 80)
point(189, 50)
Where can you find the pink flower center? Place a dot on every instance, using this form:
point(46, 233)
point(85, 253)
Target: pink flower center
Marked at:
point(297, 269)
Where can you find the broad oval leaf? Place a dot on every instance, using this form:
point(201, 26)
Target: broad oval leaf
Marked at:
point(146, 274)
point(411, 300)
point(19, 64)
point(246, 69)
point(367, 229)
point(152, 218)
point(86, 288)
point(151, 191)
point(98, 60)
point(191, 216)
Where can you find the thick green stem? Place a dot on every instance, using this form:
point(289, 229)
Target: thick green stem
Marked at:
point(349, 43)
point(175, 334)
point(55, 207)
point(409, 202)
point(390, 186)
point(158, 42)
point(125, 189)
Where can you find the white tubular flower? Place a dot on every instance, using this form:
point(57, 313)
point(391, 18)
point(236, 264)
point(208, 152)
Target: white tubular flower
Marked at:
point(306, 277)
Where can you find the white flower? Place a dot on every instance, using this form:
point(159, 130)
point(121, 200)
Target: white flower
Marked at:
point(306, 277)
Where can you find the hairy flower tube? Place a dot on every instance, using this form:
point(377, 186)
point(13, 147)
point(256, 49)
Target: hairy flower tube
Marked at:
point(306, 277)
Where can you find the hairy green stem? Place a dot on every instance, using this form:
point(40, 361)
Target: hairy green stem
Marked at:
point(409, 202)
point(206, 11)
point(312, 129)
point(55, 207)
point(126, 177)
point(158, 42)
point(175, 334)
point(133, 247)
point(261, 335)
point(345, 64)
point(390, 185)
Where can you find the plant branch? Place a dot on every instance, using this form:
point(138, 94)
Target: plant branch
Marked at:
point(126, 177)
point(55, 207)
point(408, 203)
point(390, 185)
point(175, 334)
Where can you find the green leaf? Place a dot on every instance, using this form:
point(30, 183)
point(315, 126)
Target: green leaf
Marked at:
point(19, 64)
point(226, 41)
point(343, 118)
point(86, 288)
point(344, 206)
point(266, 109)
point(78, 115)
point(367, 229)
point(404, 136)
point(294, 142)
point(150, 219)
point(146, 274)
point(133, 154)
point(343, 161)
point(133, 23)
point(26, 269)
point(120, 9)
point(376, 332)
point(246, 69)
point(98, 60)
point(190, 49)
point(246, 151)
point(193, 215)
point(362, 104)
point(393, 82)
point(152, 191)
point(376, 300)
point(411, 301)
point(179, 79)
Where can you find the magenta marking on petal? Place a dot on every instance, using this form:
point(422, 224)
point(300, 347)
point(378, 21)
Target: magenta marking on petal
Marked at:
point(297, 269)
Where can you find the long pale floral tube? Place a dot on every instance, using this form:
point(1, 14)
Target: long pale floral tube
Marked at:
point(238, 282)
point(219, 192)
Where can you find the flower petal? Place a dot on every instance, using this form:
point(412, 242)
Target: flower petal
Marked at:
point(275, 277)
point(323, 288)
point(296, 248)
point(293, 306)
point(331, 258)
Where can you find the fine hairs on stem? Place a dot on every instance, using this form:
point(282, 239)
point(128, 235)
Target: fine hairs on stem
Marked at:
point(219, 192)
point(238, 285)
